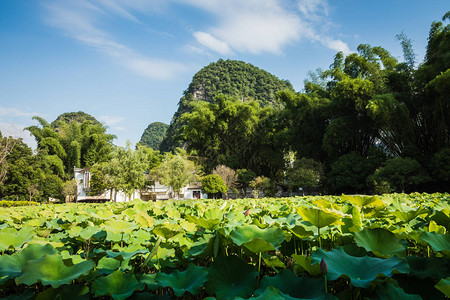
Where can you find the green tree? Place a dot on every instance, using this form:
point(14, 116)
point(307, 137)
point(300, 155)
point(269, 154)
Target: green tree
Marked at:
point(228, 176)
point(69, 190)
point(77, 140)
point(176, 171)
point(305, 173)
point(244, 177)
point(214, 186)
point(153, 135)
point(401, 173)
point(260, 185)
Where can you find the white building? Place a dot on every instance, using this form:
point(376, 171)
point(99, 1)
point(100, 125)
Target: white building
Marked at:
point(153, 192)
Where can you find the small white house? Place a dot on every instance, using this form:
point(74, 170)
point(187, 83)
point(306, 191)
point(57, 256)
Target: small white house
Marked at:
point(153, 192)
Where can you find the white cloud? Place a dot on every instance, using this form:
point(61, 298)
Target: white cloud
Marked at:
point(79, 20)
point(252, 26)
point(313, 8)
point(11, 111)
point(111, 120)
point(212, 43)
point(265, 26)
point(17, 131)
point(337, 45)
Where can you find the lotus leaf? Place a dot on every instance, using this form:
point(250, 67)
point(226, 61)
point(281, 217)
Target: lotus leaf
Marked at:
point(68, 292)
point(379, 241)
point(12, 265)
point(27, 295)
point(119, 226)
point(363, 201)
point(231, 277)
point(439, 242)
point(190, 280)
point(51, 270)
point(270, 293)
point(302, 231)
point(9, 237)
point(444, 286)
point(361, 270)
point(407, 214)
point(298, 287)
point(256, 239)
point(149, 296)
point(304, 263)
point(387, 291)
point(107, 265)
point(123, 255)
point(209, 224)
point(319, 218)
point(144, 219)
point(118, 285)
point(167, 230)
point(273, 261)
point(434, 227)
point(150, 281)
point(431, 267)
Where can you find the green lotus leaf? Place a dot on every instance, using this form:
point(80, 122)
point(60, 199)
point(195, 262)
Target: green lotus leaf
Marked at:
point(444, 286)
point(27, 295)
point(118, 285)
point(231, 277)
point(361, 270)
point(439, 242)
point(173, 214)
point(150, 281)
point(9, 237)
point(188, 226)
point(298, 287)
point(270, 293)
point(104, 214)
point(407, 214)
point(214, 213)
point(202, 222)
point(68, 292)
point(301, 231)
point(119, 226)
point(12, 265)
point(107, 265)
point(167, 230)
point(149, 296)
point(51, 270)
point(319, 218)
point(273, 261)
point(434, 227)
point(388, 291)
point(144, 220)
point(363, 201)
point(431, 267)
point(190, 280)
point(125, 255)
point(256, 239)
point(379, 241)
point(304, 262)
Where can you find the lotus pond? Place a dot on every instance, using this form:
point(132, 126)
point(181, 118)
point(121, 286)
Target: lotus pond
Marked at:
point(394, 246)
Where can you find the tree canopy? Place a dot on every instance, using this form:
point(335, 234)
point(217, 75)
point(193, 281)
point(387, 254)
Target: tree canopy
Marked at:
point(153, 135)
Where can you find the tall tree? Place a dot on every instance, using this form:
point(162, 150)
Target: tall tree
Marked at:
point(176, 171)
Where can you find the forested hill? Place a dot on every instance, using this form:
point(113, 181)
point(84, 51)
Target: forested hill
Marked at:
point(231, 78)
point(153, 135)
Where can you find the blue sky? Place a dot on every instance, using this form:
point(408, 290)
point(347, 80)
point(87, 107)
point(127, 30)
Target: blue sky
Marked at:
point(127, 62)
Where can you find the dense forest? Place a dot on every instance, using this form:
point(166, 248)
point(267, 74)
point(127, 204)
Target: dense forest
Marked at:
point(367, 124)
point(235, 79)
point(153, 135)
